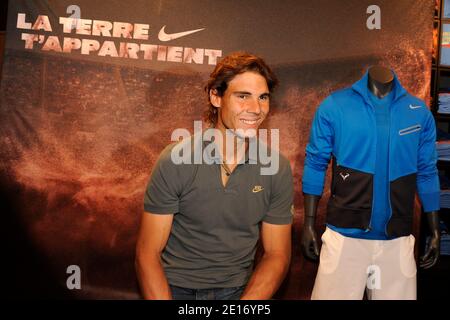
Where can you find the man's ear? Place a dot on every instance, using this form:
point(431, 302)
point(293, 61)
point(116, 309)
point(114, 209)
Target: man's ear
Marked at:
point(215, 99)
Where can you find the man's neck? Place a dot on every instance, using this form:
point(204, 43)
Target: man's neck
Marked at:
point(232, 148)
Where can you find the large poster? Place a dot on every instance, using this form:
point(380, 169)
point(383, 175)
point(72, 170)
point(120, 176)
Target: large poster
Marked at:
point(92, 90)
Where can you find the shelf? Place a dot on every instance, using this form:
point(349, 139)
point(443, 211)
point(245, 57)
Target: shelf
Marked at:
point(441, 67)
point(442, 164)
point(441, 117)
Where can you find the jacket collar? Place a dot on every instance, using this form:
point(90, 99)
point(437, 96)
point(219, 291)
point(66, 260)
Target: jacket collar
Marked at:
point(362, 88)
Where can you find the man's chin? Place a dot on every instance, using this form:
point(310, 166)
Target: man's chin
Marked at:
point(246, 133)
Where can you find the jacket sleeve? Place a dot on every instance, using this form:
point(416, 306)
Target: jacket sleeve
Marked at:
point(427, 175)
point(318, 150)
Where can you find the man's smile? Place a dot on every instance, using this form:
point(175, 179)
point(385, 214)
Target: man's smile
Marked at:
point(250, 122)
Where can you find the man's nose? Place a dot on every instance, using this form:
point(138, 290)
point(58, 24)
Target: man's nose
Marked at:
point(254, 106)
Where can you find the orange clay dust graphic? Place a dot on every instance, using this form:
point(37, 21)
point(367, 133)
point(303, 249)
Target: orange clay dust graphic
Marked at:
point(81, 138)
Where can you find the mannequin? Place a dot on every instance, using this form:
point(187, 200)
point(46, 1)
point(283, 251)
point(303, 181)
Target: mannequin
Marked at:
point(380, 83)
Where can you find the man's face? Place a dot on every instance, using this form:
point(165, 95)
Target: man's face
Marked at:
point(244, 105)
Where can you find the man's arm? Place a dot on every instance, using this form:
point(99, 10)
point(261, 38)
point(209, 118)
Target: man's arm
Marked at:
point(152, 238)
point(271, 270)
point(309, 243)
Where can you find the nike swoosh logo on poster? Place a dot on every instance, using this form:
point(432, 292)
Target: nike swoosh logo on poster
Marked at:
point(414, 107)
point(163, 36)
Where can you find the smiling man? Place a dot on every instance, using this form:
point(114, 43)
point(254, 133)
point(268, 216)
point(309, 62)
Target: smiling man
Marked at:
point(202, 222)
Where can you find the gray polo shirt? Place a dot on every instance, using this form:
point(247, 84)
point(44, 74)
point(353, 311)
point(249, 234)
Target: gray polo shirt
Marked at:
point(215, 229)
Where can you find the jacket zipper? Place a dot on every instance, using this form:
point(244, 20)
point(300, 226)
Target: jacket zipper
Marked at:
point(389, 173)
point(374, 122)
point(389, 168)
point(389, 162)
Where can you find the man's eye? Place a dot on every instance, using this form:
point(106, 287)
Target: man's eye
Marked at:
point(264, 98)
point(242, 96)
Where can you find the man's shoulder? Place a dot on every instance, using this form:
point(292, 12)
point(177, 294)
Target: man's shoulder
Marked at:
point(177, 158)
point(165, 154)
point(178, 150)
point(283, 162)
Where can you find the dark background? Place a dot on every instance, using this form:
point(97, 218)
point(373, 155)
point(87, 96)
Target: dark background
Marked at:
point(80, 134)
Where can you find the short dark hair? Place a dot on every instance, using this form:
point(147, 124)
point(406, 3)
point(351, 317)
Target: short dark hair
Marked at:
point(230, 66)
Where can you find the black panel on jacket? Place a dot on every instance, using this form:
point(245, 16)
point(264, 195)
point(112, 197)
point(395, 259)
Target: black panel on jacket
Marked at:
point(402, 195)
point(350, 203)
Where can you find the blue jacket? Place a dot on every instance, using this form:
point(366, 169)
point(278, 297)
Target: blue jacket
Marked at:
point(344, 127)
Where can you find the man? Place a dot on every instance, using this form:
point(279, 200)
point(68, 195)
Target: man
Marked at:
point(202, 222)
point(382, 141)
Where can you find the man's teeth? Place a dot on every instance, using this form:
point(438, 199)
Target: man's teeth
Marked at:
point(249, 121)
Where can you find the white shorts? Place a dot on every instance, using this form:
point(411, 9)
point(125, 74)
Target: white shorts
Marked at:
point(349, 266)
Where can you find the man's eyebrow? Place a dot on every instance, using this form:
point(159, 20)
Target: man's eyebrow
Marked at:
point(249, 93)
point(242, 92)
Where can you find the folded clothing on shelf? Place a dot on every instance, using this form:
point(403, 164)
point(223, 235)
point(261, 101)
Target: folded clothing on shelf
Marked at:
point(445, 199)
point(445, 240)
point(443, 150)
point(444, 103)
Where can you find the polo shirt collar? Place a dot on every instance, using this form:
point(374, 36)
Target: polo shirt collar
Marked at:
point(217, 158)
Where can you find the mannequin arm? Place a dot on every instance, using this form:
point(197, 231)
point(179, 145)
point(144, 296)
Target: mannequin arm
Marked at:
point(431, 256)
point(309, 243)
